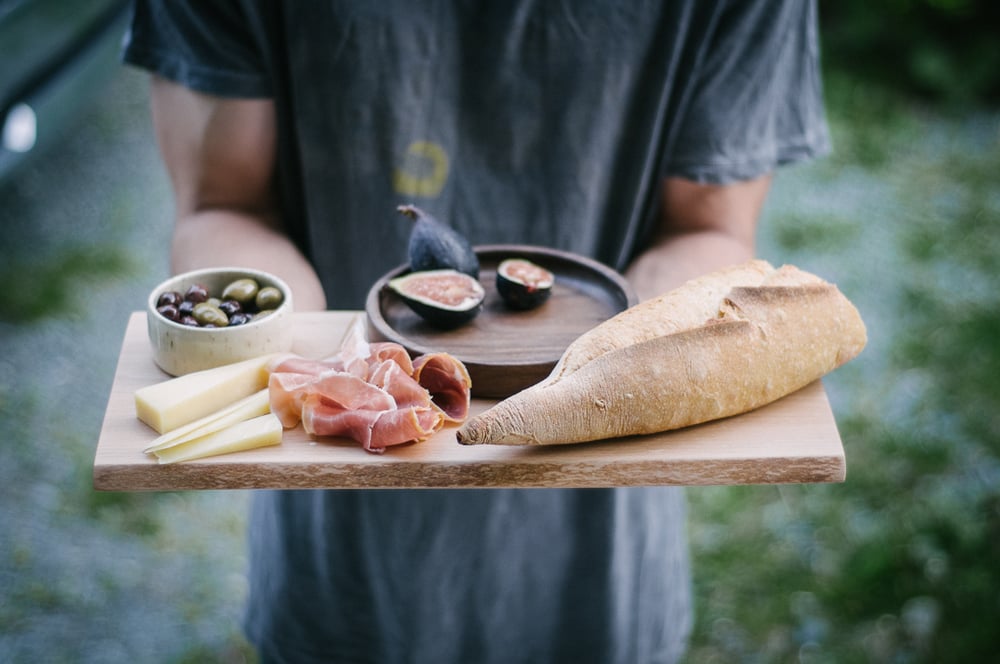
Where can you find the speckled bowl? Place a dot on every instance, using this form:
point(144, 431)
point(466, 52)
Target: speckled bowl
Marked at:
point(180, 349)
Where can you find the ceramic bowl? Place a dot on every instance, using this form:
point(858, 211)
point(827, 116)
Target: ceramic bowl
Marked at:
point(180, 349)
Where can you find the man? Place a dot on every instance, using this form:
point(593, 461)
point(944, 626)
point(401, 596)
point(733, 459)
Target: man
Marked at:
point(642, 134)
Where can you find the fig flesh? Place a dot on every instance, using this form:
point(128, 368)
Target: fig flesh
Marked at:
point(444, 298)
point(436, 246)
point(522, 284)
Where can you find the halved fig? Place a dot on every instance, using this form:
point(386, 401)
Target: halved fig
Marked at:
point(523, 284)
point(444, 298)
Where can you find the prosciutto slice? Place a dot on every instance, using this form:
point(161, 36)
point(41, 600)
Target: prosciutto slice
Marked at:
point(372, 393)
point(287, 393)
point(388, 350)
point(448, 382)
point(403, 387)
point(301, 365)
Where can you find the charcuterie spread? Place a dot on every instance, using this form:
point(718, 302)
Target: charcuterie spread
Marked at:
point(372, 393)
point(720, 345)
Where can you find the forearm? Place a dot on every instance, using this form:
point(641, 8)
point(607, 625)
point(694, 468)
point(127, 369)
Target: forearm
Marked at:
point(217, 237)
point(220, 154)
point(704, 228)
point(677, 258)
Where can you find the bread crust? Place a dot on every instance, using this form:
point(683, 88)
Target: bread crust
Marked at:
point(755, 343)
point(684, 308)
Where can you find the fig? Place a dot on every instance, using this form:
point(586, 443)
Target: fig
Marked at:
point(444, 298)
point(522, 284)
point(436, 246)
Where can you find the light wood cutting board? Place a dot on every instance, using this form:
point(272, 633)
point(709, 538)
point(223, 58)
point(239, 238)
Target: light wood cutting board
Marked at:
point(793, 440)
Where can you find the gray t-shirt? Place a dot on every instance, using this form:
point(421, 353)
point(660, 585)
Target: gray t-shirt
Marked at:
point(547, 123)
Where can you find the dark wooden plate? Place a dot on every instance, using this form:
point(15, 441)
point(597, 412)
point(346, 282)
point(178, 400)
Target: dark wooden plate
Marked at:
point(505, 350)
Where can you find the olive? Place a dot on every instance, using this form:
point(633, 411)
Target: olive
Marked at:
point(239, 318)
point(172, 298)
point(265, 312)
point(230, 307)
point(189, 320)
point(185, 308)
point(214, 301)
point(241, 290)
point(196, 293)
point(206, 314)
point(169, 312)
point(269, 297)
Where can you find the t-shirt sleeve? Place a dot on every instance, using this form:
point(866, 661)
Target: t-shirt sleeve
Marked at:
point(756, 100)
point(207, 46)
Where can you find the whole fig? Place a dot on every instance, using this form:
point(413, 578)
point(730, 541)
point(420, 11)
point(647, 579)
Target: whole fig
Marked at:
point(436, 246)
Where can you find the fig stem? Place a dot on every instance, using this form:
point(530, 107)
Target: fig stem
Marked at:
point(409, 211)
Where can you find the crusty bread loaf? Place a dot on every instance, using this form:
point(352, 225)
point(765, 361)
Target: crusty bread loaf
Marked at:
point(718, 346)
point(684, 308)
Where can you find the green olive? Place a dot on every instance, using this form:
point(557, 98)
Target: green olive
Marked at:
point(207, 314)
point(261, 314)
point(241, 290)
point(269, 297)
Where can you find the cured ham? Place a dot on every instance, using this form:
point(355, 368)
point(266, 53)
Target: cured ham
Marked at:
point(403, 387)
point(448, 382)
point(388, 350)
point(372, 393)
point(287, 393)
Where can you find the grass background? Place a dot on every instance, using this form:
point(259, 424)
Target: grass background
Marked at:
point(897, 564)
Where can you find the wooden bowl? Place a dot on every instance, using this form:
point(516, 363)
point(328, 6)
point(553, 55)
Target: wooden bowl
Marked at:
point(504, 350)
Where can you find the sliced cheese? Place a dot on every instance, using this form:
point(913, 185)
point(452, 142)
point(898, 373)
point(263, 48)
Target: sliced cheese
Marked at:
point(178, 401)
point(254, 405)
point(247, 435)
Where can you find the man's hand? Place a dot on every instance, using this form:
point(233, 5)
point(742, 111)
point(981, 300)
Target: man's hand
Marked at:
point(220, 154)
point(704, 228)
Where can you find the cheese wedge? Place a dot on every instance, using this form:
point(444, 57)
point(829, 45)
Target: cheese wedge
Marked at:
point(247, 435)
point(255, 405)
point(178, 401)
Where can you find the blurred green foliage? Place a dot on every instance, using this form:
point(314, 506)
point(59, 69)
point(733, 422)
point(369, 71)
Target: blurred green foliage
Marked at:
point(59, 285)
point(941, 49)
point(899, 563)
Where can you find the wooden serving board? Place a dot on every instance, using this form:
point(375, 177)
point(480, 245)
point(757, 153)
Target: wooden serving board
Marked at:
point(793, 440)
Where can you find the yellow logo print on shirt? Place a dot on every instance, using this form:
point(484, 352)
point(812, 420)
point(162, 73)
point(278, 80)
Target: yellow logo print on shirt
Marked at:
point(423, 171)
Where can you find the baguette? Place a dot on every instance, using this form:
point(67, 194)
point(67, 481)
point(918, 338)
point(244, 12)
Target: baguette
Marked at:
point(720, 345)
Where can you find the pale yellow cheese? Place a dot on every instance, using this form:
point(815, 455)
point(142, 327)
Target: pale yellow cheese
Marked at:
point(254, 405)
point(178, 401)
point(247, 435)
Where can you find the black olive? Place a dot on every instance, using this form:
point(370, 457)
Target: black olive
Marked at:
point(230, 307)
point(196, 293)
point(169, 312)
point(172, 298)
